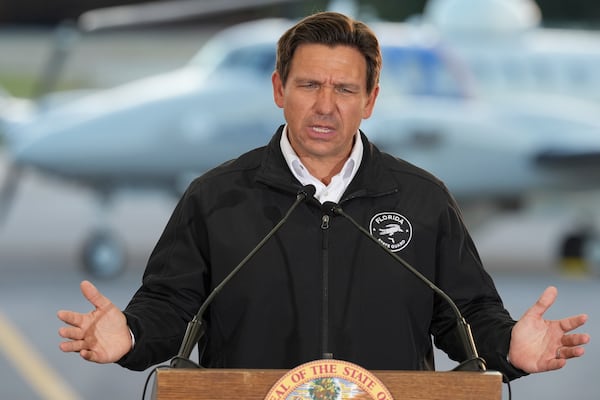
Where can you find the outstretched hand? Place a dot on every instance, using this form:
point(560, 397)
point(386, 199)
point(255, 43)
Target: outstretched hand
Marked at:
point(101, 335)
point(539, 345)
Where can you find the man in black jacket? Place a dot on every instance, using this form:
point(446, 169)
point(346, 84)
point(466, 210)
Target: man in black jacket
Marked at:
point(319, 287)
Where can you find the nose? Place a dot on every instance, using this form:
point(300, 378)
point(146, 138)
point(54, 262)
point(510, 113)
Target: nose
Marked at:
point(325, 100)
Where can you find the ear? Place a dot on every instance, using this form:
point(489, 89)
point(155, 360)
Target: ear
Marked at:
point(370, 105)
point(278, 90)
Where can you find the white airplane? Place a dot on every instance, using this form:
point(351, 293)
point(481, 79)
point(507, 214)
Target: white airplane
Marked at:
point(509, 51)
point(160, 132)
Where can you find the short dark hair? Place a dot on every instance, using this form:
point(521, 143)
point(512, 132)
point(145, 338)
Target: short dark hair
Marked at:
point(331, 29)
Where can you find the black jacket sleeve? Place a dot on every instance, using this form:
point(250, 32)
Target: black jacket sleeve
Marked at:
point(172, 291)
point(461, 274)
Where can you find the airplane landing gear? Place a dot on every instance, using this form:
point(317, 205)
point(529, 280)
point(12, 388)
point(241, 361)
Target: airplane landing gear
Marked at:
point(103, 255)
point(580, 252)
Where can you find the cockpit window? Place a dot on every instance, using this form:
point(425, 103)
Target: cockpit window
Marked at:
point(421, 71)
point(260, 59)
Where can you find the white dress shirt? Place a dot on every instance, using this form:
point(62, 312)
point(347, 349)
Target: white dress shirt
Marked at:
point(339, 183)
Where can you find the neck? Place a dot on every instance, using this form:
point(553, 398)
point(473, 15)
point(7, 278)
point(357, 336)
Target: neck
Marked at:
point(323, 170)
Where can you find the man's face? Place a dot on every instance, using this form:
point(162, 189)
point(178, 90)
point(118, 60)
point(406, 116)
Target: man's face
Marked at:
point(324, 100)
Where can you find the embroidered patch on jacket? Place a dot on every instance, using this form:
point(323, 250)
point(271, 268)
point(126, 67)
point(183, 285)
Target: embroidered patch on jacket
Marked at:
point(392, 229)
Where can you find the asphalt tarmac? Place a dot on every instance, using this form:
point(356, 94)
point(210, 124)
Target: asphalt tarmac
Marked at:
point(39, 263)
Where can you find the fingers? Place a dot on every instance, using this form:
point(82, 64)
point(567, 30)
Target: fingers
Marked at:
point(570, 323)
point(78, 322)
point(79, 347)
point(92, 333)
point(72, 346)
point(576, 339)
point(543, 303)
point(555, 364)
point(72, 333)
point(70, 317)
point(566, 352)
point(88, 355)
point(93, 295)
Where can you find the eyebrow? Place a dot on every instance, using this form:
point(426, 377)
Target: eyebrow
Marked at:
point(349, 85)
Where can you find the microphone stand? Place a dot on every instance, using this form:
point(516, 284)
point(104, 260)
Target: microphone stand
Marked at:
point(195, 329)
point(473, 361)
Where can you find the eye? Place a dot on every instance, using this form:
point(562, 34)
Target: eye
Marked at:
point(309, 85)
point(345, 90)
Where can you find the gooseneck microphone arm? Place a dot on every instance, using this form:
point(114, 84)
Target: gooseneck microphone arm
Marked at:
point(473, 361)
point(195, 329)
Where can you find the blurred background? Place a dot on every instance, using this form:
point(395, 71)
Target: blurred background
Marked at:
point(109, 108)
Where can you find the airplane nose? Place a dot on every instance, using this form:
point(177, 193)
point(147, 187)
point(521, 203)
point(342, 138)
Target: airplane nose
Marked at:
point(42, 154)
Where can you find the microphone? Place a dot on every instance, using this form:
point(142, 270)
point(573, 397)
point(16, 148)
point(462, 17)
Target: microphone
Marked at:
point(195, 329)
point(473, 361)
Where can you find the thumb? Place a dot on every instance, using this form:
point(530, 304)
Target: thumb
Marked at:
point(93, 295)
point(543, 303)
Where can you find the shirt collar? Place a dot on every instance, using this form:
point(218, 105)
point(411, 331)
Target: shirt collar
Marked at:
point(303, 175)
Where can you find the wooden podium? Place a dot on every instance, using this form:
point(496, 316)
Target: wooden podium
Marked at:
point(254, 384)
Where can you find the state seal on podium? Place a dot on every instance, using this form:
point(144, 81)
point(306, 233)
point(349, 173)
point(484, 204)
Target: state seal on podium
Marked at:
point(328, 380)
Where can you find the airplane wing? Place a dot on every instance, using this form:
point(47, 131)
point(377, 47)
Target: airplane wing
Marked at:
point(568, 158)
point(163, 11)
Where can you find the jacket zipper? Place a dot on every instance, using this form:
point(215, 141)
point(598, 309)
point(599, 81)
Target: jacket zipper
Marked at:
point(325, 289)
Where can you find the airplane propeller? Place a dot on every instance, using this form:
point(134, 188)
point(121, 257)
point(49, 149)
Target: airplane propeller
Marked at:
point(8, 190)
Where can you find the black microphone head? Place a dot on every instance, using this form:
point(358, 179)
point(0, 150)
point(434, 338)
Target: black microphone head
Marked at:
point(307, 191)
point(330, 208)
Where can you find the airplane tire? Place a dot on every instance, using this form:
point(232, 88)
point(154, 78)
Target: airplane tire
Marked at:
point(580, 252)
point(103, 255)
